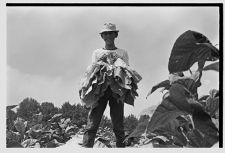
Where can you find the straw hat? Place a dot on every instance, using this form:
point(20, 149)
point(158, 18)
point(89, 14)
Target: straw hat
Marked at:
point(109, 27)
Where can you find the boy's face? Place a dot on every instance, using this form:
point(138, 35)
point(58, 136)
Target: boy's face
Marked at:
point(109, 36)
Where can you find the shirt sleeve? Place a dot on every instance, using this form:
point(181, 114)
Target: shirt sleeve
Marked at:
point(126, 58)
point(94, 58)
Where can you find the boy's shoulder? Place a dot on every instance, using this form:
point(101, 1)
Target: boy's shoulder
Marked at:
point(98, 50)
point(122, 50)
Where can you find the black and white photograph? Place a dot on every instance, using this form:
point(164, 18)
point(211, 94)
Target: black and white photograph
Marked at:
point(114, 75)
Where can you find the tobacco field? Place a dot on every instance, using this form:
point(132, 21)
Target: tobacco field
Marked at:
point(183, 119)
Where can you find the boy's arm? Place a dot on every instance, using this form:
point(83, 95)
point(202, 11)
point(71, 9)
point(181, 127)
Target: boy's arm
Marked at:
point(94, 57)
point(126, 58)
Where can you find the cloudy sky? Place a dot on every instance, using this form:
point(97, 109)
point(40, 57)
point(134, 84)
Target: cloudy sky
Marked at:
point(49, 48)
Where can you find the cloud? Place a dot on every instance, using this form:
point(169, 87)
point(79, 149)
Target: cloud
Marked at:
point(49, 48)
point(39, 43)
point(41, 88)
point(56, 41)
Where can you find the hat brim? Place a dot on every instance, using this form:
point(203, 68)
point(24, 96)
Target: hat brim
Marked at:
point(108, 31)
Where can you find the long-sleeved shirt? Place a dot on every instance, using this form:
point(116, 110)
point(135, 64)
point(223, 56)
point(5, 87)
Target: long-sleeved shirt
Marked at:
point(98, 53)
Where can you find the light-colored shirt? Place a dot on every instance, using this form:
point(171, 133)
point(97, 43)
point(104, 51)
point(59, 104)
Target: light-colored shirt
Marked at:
point(98, 53)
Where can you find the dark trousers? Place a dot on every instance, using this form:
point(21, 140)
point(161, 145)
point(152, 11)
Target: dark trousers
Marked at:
point(94, 119)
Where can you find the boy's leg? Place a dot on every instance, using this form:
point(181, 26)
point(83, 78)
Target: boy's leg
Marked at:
point(117, 115)
point(94, 119)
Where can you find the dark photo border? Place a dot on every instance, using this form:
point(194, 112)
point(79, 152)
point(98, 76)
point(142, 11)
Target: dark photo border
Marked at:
point(219, 5)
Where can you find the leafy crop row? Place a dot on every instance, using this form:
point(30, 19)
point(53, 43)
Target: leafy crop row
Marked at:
point(53, 133)
point(45, 126)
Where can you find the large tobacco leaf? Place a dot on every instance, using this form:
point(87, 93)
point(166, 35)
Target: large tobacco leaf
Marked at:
point(213, 66)
point(212, 106)
point(195, 138)
point(100, 76)
point(140, 129)
point(163, 114)
point(161, 120)
point(190, 47)
point(203, 122)
point(178, 96)
point(211, 103)
point(165, 84)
